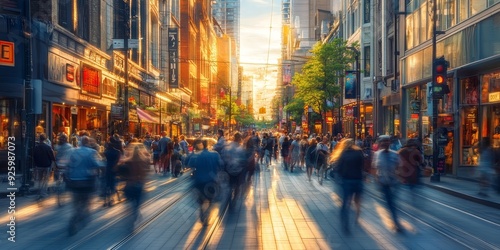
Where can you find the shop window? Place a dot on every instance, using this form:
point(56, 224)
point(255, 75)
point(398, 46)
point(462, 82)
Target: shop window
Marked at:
point(470, 138)
point(470, 90)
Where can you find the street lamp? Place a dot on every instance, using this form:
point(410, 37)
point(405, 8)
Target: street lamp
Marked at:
point(358, 101)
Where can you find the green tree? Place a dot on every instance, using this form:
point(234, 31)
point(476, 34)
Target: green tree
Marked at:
point(318, 82)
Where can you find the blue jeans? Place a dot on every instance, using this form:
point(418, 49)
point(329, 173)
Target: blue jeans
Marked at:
point(350, 188)
point(388, 192)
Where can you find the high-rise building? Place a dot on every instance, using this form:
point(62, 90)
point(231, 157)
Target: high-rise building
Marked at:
point(227, 14)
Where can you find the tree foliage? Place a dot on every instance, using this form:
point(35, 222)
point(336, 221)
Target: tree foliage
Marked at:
point(319, 80)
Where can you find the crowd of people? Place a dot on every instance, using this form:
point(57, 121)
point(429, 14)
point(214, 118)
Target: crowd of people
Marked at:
point(233, 161)
point(89, 164)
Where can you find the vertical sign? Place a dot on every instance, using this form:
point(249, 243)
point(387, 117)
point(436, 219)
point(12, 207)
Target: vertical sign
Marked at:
point(173, 57)
point(350, 85)
point(287, 74)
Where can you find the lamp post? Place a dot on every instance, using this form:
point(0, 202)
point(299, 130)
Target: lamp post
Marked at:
point(28, 128)
point(358, 91)
point(126, 106)
point(309, 113)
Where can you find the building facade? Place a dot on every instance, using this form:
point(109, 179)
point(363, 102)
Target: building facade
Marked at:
point(469, 112)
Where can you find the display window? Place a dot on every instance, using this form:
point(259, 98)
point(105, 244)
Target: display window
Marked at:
point(470, 135)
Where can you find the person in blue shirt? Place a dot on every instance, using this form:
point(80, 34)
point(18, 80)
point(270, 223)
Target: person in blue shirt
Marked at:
point(207, 165)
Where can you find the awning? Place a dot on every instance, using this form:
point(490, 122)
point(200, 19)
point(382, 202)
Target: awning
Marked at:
point(148, 116)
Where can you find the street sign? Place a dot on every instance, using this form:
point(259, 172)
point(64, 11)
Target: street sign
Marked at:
point(120, 43)
point(7, 53)
point(133, 43)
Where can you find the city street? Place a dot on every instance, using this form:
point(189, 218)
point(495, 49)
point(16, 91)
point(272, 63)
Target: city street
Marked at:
point(279, 210)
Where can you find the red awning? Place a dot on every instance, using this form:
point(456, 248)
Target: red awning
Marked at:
point(148, 116)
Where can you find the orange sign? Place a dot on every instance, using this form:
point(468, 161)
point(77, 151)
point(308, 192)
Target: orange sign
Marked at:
point(7, 53)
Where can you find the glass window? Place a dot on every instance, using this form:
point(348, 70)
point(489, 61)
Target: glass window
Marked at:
point(492, 2)
point(470, 132)
point(366, 65)
point(416, 28)
point(489, 37)
point(463, 9)
point(477, 6)
point(495, 126)
point(470, 88)
point(367, 11)
point(450, 14)
point(409, 32)
point(423, 23)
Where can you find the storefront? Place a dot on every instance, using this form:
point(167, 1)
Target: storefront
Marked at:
point(350, 119)
point(479, 117)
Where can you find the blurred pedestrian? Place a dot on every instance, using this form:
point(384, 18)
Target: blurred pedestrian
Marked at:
point(44, 158)
point(82, 171)
point(411, 162)
point(385, 162)
point(113, 154)
point(234, 159)
point(156, 153)
point(250, 156)
point(207, 166)
point(165, 147)
point(486, 168)
point(63, 150)
point(349, 161)
point(221, 141)
point(136, 162)
point(295, 153)
point(285, 152)
point(310, 157)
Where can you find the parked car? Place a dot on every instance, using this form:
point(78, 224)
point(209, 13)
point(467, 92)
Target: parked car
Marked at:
point(210, 142)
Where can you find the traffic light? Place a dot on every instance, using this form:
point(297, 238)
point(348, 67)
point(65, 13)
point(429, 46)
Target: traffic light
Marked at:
point(440, 67)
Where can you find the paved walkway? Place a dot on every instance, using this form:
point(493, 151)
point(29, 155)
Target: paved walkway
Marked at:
point(463, 188)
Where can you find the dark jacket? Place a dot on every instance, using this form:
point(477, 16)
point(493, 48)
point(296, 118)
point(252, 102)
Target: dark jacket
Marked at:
point(206, 164)
point(43, 156)
point(350, 164)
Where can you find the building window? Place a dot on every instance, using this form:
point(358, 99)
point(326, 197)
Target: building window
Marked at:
point(367, 65)
point(367, 11)
point(65, 18)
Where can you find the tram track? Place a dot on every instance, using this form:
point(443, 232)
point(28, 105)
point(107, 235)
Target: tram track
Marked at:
point(447, 229)
point(176, 188)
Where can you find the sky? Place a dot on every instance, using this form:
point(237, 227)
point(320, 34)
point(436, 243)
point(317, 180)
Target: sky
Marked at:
point(255, 30)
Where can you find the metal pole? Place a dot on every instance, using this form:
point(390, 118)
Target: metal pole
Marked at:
point(435, 150)
point(27, 112)
point(127, 35)
point(230, 104)
point(358, 101)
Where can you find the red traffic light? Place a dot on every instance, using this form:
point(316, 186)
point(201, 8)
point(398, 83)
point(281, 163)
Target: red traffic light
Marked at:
point(440, 69)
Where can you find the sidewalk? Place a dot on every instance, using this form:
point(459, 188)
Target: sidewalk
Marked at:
point(465, 189)
point(462, 188)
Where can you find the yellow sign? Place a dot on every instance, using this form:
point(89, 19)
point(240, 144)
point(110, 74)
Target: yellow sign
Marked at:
point(7, 53)
point(494, 97)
